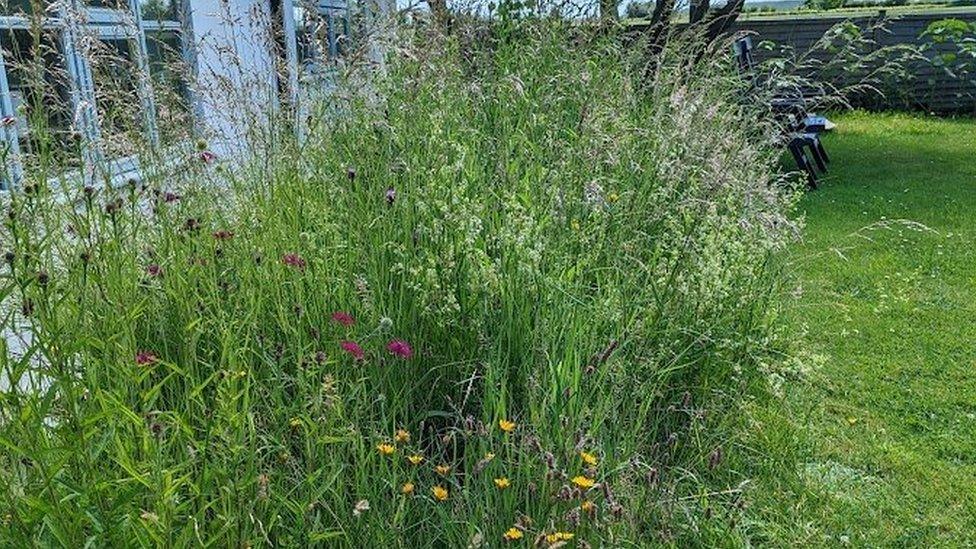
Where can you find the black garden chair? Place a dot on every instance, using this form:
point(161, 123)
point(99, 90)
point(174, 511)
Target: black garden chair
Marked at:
point(800, 129)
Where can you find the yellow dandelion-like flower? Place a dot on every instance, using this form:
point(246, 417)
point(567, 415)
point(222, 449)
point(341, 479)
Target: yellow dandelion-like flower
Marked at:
point(506, 425)
point(402, 436)
point(443, 470)
point(295, 423)
point(583, 482)
point(556, 537)
point(407, 489)
point(587, 506)
point(588, 458)
point(440, 493)
point(513, 534)
point(502, 483)
point(385, 449)
point(415, 459)
point(613, 197)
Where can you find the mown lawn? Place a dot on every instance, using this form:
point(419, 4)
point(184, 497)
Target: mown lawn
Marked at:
point(876, 445)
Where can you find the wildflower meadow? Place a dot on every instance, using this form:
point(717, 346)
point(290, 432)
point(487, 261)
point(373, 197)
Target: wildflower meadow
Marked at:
point(506, 292)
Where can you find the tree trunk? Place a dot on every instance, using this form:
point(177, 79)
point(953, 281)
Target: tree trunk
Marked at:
point(658, 32)
point(697, 10)
point(721, 20)
point(442, 17)
point(608, 10)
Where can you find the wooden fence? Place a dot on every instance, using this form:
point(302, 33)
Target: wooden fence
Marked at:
point(930, 87)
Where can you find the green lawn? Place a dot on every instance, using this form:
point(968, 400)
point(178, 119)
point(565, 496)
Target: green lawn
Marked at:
point(876, 445)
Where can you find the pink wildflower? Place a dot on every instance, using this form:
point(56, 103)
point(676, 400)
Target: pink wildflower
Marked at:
point(154, 270)
point(294, 260)
point(343, 318)
point(145, 358)
point(353, 348)
point(400, 348)
point(207, 157)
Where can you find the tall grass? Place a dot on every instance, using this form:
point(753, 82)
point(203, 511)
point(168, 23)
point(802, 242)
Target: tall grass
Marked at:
point(557, 275)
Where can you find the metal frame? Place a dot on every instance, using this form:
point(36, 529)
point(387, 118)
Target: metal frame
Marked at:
point(74, 20)
point(14, 167)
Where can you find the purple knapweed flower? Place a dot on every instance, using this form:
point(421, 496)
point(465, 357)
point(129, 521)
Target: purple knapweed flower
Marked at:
point(353, 348)
point(145, 358)
point(293, 260)
point(343, 318)
point(400, 348)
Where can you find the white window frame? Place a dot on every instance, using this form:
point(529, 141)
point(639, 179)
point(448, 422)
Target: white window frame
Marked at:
point(71, 24)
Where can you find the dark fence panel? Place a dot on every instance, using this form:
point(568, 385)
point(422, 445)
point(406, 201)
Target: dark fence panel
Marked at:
point(930, 87)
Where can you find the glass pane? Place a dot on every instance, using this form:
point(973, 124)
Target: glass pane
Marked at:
point(22, 7)
point(321, 35)
point(115, 75)
point(41, 97)
point(159, 10)
point(110, 4)
point(170, 89)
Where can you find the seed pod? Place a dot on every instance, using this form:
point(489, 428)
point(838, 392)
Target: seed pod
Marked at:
point(715, 458)
point(652, 476)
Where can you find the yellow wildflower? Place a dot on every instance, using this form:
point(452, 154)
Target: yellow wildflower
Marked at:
point(489, 456)
point(440, 493)
point(506, 425)
point(556, 537)
point(407, 489)
point(443, 470)
point(386, 449)
point(613, 197)
point(295, 423)
point(402, 435)
point(588, 458)
point(502, 483)
point(583, 482)
point(587, 506)
point(415, 459)
point(513, 534)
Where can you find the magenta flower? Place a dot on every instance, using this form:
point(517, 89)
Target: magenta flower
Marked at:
point(145, 358)
point(400, 348)
point(154, 270)
point(207, 157)
point(294, 260)
point(353, 348)
point(343, 318)
point(223, 235)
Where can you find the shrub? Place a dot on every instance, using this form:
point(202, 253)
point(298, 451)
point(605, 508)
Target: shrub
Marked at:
point(491, 297)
